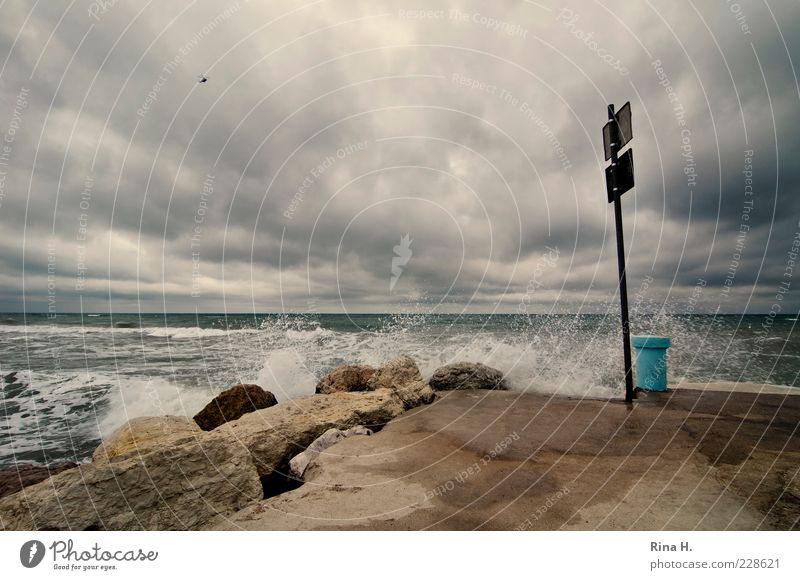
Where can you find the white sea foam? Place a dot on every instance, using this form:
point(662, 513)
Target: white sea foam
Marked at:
point(581, 369)
point(193, 332)
point(132, 398)
point(64, 415)
point(286, 375)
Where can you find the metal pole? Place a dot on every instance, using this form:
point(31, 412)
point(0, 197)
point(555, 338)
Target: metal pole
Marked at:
point(623, 284)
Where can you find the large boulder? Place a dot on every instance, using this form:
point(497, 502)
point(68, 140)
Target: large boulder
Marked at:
point(275, 435)
point(232, 404)
point(397, 372)
point(143, 434)
point(414, 394)
point(299, 463)
point(465, 375)
point(401, 375)
point(14, 478)
point(175, 485)
point(345, 379)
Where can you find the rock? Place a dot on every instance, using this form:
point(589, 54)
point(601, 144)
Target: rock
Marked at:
point(232, 404)
point(402, 376)
point(143, 434)
point(414, 394)
point(299, 463)
point(167, 486)
point(275, 435)
point(14, 478)
point(466, 375)
point(397, 372)
point(346, 378)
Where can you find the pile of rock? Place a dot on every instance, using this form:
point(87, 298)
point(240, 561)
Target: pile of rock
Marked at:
point(173, 473)
point(166, 473)
point(400, 375)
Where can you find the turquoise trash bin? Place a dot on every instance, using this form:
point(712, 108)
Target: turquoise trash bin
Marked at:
point(651, 362)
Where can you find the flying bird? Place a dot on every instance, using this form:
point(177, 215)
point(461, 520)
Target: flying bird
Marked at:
point(202, 79)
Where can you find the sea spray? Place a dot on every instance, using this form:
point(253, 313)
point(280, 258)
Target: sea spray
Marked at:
point(175, 364)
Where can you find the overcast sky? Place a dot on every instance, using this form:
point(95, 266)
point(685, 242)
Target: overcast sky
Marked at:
point(329, 130)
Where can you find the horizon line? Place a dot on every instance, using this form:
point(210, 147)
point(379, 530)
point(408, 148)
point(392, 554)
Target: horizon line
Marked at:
point(294, 313)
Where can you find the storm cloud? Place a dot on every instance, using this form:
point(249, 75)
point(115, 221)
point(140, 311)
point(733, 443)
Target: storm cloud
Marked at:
point(329, 130)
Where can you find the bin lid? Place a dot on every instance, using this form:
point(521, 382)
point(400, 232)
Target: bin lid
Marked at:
point(650, 341)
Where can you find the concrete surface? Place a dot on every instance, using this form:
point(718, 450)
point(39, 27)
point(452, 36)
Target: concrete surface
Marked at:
point(726, 387)
point(684, 459)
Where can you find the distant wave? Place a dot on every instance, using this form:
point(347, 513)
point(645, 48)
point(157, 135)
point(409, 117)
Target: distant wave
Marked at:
point(153, 331)
point(194, 332)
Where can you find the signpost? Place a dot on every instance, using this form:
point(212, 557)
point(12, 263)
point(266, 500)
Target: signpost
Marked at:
point(619, 179)
point(622, 177)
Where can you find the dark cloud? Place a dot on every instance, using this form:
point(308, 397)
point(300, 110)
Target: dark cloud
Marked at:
point(327, 133)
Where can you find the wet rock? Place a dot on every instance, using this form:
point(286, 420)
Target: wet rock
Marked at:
point(273, 436)
point(414, 394)
point(401, 375)
point(397, 372)
point(15, 477)
point(142, 434)
point(233, 404)
point(299, 463)
point(167, 486)
point(465, 375)
point(345, 379)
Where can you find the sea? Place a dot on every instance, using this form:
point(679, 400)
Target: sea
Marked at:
point(66, 381)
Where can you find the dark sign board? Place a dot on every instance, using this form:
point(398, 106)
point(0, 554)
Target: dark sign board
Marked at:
point(621, 129)
point(621, 176)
